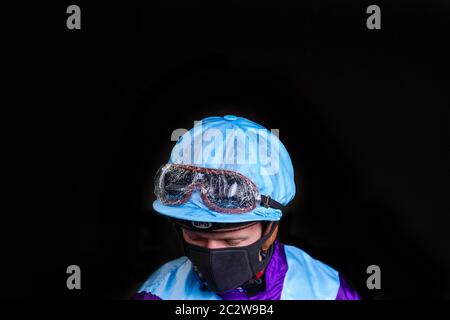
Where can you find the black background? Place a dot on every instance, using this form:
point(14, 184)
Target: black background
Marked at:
point(88, 116)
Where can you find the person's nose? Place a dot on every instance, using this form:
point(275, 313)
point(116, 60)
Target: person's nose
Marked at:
point(213, 244)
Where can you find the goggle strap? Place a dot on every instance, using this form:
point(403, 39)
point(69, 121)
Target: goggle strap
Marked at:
point(268, 202)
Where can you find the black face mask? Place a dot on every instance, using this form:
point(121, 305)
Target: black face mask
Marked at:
point(225, 269)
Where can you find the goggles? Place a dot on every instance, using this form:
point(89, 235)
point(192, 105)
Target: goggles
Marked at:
point(221, 190)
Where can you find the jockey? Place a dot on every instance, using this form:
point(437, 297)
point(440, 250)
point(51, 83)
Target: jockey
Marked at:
point(225, 186)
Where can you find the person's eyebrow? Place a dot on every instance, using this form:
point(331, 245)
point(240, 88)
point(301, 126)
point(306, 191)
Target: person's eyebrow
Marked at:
point(227, 237)
point(234, 238)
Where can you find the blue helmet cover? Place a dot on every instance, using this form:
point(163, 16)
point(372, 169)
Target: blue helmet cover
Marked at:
point(238, 144)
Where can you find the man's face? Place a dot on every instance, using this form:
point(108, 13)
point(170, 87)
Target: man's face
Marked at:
point(224, 239)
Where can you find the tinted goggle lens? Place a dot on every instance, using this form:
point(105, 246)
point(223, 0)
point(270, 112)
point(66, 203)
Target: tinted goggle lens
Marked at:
point(172, 183)
point(230, 192)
